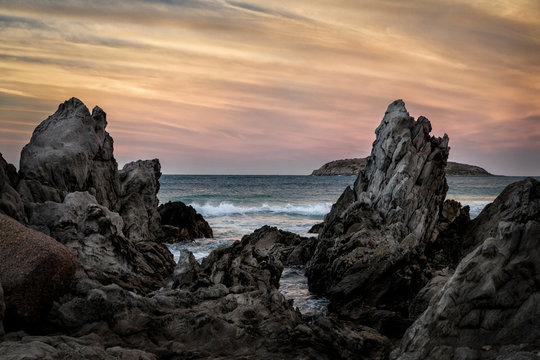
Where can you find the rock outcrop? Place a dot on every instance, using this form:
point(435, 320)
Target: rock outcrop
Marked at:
point(489, 307)
point(34, 271)
point(10, 201)
point(70, 151)
point(95, 234)
point(369, 256)
point(353, 167)
point(2, 310)
point(181, 222)
point(138, 205)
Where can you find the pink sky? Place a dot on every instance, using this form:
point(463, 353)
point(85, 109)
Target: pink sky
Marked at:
point(259, 87)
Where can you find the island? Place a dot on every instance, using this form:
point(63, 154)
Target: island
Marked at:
point(351, 167)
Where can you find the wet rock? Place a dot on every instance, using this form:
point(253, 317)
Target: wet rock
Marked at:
point(95, 234)
point(70, 151)
point(139, 183)
point(10, 201)
point(369, 259)
point(34, 271)
point(182, 223)
point(489, 306)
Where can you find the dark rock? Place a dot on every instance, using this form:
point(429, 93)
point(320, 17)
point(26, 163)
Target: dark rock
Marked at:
point(70, 151)
point(369, 259)
point(95, 234)
point(421, 301)
point(2, 310)
point(10, 201)
point(34, 271)
point(138, 204)
point(188, 223)
point(489, 307)
point(315, 229)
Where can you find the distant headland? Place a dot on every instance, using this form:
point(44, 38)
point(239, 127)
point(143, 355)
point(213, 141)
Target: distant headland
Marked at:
point(350, 167)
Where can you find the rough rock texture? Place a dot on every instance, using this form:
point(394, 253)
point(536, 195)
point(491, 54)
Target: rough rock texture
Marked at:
point(182, 223)
point(138, 205)
point(34, 271)
point(315, 229)
point(344, 167)
point(10, 200)
point(2, 310)
point(489, 307)
point(70, 151)
point(95, 234)
point(369, 256)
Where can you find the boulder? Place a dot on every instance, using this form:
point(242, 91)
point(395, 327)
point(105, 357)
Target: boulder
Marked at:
point(95, 234)
point(182, 223)
point(2, 310)
point(34, 271)
point(369, 258)
point(10, 200)
point(138, 206)
point(70, 151)
point(489, 308)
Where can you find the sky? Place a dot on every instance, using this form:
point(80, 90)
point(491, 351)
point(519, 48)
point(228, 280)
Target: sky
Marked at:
point(276, 87)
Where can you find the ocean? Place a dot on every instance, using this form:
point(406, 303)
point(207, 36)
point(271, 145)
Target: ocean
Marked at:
point(236, 205)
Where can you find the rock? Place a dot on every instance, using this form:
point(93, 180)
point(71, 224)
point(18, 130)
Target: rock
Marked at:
point(421, 301)
point(10, 201)
point(187, 273)
point(369, 258)
point(490, 305)
point(34, 271)
point(70, 151)
point(345, 167)
point(352, 167)
point(183, 223)
point(315, 229)
point(2, 310)
point(95, 234)
point(138, 205)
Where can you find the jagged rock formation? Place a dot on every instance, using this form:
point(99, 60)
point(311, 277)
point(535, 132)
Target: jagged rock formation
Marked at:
point(368, 259)
point(95, 234)
point(34, 271)
point(489, 307)
point(10, 200)
point(352, 167)
point(181, 222)
point(70, 151)
point(139, 185)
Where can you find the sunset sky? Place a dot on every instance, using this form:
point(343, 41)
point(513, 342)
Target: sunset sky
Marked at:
point(276, 87)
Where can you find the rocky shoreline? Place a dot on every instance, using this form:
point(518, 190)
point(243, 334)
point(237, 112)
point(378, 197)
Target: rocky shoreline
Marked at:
point(353, 167)
point(84, 274)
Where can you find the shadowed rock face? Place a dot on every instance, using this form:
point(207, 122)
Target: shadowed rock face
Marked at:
point(489, 307)
point(34, 271)
point(369, 253)
point(10, 201)
point(70, 151)
point(182, 223)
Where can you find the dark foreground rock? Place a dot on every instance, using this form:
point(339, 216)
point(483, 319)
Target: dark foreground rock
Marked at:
point(10, 201)
point(2, 310)
point(182, 223)
point(35, 270)
point(489, 307)
point(369, 259)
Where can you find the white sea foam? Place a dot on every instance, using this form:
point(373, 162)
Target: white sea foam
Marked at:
point(226, 208)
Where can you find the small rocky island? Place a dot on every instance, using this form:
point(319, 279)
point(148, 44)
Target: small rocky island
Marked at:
point(352, 167)
point(409, 276)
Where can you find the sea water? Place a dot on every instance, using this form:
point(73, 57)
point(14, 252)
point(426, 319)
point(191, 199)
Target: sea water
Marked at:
point(236, 205)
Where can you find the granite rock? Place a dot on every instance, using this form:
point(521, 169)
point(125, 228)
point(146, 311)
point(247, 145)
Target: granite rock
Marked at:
point(70, 151)
point(95, 234)
point(182, 223)
point(10, 201)
point(35, 270)
point(369, 259)
point(489, 308)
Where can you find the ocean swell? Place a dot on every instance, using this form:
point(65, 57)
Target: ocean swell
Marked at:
point(226, 208)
